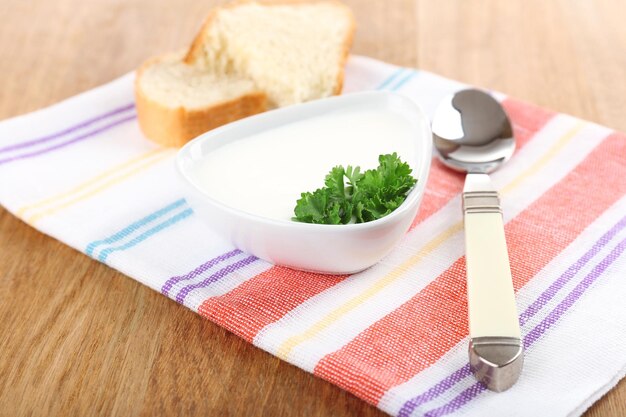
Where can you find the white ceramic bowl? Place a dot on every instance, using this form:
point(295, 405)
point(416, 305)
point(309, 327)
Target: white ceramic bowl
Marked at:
point(331, 249)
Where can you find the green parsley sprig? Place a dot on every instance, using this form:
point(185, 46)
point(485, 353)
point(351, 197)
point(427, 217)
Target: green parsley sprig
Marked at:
point(354, 197)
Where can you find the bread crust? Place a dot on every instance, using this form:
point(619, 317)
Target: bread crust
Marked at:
point(195, 50)
point(175, 126)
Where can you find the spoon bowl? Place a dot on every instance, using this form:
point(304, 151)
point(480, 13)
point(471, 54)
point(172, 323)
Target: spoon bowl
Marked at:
point(472, 132)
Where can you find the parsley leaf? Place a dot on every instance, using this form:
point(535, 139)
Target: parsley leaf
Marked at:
point(350, 196)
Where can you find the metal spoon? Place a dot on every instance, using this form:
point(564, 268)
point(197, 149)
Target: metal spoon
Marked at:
point(473, 134)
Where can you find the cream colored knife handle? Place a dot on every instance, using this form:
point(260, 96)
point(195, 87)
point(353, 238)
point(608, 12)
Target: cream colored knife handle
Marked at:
point(496, 353)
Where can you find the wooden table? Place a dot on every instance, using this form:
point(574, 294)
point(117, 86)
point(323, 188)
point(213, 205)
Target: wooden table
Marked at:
point(77, 338)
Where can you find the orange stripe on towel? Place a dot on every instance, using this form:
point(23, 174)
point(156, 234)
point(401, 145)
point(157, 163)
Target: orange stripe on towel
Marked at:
point(264, 299)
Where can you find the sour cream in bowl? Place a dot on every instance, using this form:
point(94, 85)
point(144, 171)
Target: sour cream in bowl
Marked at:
point(244, 178)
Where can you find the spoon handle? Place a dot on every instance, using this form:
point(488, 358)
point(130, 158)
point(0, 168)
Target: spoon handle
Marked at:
point(496, 352)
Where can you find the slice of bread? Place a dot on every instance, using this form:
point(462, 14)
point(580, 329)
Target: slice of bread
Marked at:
point(249, 56)
point(177, 102)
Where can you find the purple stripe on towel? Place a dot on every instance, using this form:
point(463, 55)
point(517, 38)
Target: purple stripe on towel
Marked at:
point(556, 286)
point(199, 270)
point(69, 142)
point(574, 295)
point(214, 277)
point(457, 402)
point(435, 391)
point(65, 131)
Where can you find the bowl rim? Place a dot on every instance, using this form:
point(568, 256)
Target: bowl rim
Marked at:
point(299, 113)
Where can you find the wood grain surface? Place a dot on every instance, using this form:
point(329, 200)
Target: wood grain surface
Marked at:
point(77, 338)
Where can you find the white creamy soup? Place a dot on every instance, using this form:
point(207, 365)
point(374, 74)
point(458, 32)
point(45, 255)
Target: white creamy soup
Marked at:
point(265, 174)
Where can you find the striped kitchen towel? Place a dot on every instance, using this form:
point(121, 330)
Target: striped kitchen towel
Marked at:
point(395, 335)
